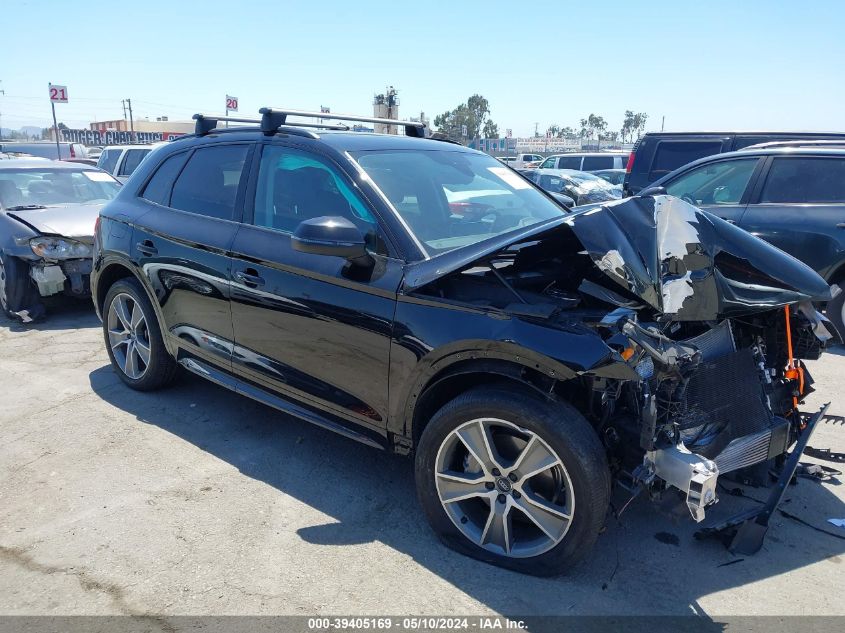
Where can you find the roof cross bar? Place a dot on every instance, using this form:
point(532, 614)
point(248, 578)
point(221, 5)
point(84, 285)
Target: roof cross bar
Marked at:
point(273, 118)
point(207, 122)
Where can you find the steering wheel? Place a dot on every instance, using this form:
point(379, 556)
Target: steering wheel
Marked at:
point(688, 199)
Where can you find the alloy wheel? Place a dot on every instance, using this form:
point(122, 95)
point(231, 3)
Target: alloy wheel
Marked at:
point(128, 335)
point(504, 488)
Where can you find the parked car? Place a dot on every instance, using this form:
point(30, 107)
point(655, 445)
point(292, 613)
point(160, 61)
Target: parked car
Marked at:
point(526, 358)
point(94, 152)
point(659, 153)
point(582, 187)
point(46, 149)
point(522, 161)
point(47, 215)
point(791, 197)
point(559, 195)
point(121, 161)
point(613, 176)
point(586, 161)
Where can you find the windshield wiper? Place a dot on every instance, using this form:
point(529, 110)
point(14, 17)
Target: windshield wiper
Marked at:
point(26, 207)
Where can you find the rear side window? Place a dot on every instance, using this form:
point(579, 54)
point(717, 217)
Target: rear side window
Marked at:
point(673, 154)
point(132, 160)
point(805, 180)
point(160, 185)
point(592, 163)
point(108, 160)
point(208, 185)
point(569, 162)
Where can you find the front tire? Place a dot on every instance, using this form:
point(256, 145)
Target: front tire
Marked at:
point(19, 299)
point(514, 480)
point(133, 338)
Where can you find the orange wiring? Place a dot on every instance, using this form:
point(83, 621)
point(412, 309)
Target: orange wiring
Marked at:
point(793, 370)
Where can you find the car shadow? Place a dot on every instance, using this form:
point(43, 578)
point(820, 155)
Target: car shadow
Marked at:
point(647, 562)
point(62, 314)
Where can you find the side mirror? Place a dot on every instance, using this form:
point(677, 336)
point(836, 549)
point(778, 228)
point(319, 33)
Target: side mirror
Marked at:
point(331, 235)
point(653, 191)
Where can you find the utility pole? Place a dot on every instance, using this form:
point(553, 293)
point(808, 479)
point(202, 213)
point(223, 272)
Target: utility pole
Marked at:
point(662, 121)
point(123, 103)
point(131, 122)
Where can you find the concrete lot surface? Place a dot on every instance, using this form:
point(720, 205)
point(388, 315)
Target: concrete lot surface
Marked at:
point(194, 501)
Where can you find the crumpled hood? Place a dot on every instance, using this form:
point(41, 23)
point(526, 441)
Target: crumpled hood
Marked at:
point(689, 264)
point(684, 262)
point(76, 220)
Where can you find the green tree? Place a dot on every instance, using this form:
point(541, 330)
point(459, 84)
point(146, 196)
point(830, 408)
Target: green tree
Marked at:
point(491, 130)
point(475, 114)
point(591, 126)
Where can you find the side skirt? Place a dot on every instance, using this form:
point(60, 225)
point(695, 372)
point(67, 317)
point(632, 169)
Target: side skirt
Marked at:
point(223, 379)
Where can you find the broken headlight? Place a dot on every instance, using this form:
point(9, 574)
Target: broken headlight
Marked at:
point(59, 248)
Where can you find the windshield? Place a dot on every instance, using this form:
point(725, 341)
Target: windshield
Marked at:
point(49, 187)
point(452, 199)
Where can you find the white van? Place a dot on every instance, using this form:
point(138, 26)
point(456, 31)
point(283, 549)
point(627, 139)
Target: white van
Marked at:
point(587, 161)
point(521, 161)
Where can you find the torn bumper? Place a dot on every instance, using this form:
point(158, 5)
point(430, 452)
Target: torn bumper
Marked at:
point(72, 276)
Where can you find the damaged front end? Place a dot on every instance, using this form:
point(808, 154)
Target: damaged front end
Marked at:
point(64, 265)
point(705, 329)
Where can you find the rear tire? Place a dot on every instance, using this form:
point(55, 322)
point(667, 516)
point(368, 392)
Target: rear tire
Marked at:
point(515, 519)
point(133, 338)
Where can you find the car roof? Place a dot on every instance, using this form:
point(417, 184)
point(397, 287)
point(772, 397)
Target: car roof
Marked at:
point(746, 133)
point(135, 146)
point(779, 151)
point(43, 163)
point(341, 141)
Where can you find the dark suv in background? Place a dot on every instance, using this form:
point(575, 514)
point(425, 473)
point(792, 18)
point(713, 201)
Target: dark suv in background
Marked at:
point(527, 356)
point(658, 153)
point(792, 197)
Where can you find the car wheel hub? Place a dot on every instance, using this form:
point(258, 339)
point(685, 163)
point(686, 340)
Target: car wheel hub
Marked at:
point(504, 488)
point(128, 336)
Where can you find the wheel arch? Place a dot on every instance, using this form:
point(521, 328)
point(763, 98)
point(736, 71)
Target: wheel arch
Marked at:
point(464, 375)
point(113, 271)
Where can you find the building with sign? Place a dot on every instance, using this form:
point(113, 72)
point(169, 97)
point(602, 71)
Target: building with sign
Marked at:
point(160, 126)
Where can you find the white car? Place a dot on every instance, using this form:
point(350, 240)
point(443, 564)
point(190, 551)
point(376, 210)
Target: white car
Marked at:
point(587, 161)
point(521, 161)
point(121, 160)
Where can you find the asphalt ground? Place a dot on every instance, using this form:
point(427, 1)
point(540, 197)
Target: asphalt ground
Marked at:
point(195, 500)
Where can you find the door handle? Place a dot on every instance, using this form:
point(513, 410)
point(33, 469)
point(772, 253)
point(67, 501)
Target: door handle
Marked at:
point(249, 277)
point(841, 225)
point(147, 247)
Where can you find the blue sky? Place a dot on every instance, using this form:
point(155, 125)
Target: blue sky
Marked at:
point(715, 64)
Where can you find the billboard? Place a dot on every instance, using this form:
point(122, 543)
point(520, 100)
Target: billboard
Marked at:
point(113, 137)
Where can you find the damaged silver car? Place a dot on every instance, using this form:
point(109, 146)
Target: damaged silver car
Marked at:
point(48, 210)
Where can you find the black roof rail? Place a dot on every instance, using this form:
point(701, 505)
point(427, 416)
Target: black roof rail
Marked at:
point(273, 118)
point(207, 122)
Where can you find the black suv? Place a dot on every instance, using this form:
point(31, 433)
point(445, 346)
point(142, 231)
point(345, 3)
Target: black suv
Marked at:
point(526, 356)
point(792, 197)
point(658, 153)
